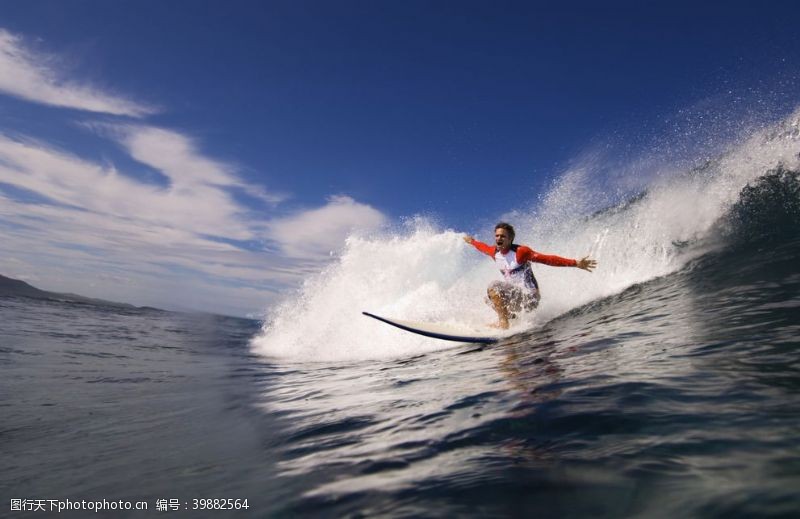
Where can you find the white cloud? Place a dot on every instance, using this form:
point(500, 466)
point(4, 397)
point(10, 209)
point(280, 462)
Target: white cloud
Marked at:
point(80, 251)
point(36, 77)
point(103, 225)
point(177, 157)
point(69, 180)
point(104, 233)
point(324, 229)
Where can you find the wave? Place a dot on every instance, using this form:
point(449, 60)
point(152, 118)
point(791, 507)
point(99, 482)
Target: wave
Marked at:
point(768, 210)
point(423, 272)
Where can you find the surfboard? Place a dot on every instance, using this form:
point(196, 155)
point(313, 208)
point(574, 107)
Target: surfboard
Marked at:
point(436, 331)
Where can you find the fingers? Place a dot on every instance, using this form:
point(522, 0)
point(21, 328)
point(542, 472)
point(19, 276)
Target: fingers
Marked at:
point(468, 239)
point(587, 264)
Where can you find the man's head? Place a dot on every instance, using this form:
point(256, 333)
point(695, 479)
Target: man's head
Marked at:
point(503, 235)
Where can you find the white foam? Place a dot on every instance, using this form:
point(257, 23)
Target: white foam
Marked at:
point(426, 273)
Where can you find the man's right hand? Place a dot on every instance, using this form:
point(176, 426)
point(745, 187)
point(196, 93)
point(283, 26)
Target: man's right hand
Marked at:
point(469, 239)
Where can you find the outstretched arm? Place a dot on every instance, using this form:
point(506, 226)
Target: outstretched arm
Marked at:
point(527, 254)
point(586, 264)
point(484, 248)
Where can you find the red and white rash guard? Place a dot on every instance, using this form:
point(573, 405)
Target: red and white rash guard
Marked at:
point(513, 262)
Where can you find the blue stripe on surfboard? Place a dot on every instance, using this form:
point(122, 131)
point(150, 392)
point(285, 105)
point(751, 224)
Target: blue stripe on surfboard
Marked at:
point(426, 333)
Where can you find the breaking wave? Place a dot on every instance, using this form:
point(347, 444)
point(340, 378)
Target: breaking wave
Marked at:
point(748, 192)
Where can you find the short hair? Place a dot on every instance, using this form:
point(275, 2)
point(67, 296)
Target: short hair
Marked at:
point(506, 226)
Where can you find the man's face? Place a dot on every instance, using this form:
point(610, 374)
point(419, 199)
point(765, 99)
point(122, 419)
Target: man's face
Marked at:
point(502, 238)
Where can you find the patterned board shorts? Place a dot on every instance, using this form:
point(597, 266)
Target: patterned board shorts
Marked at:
point(516, 298)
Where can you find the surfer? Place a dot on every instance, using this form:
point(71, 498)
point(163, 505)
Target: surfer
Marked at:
point(519, 291)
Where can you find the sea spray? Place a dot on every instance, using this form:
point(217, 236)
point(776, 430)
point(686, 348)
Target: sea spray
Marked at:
point(424, 273)
point(428, 273)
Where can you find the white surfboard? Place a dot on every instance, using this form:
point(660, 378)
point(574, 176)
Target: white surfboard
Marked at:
point(437, 331)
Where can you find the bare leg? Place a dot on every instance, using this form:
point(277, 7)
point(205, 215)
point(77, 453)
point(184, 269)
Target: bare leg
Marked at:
point(500, 307)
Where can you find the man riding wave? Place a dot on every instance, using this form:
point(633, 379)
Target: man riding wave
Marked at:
point(519, 290)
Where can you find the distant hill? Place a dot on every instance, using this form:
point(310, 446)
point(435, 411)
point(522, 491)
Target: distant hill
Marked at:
point(16, 287)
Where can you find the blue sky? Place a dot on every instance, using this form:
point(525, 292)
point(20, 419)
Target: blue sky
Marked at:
point(209, 154)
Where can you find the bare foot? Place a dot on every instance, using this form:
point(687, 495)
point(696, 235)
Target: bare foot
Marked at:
point(499, 325)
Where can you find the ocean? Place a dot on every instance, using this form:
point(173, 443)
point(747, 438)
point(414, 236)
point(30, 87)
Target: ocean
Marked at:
point(664, 384)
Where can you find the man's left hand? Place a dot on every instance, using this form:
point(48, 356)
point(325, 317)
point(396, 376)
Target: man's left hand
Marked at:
point(586, 264)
